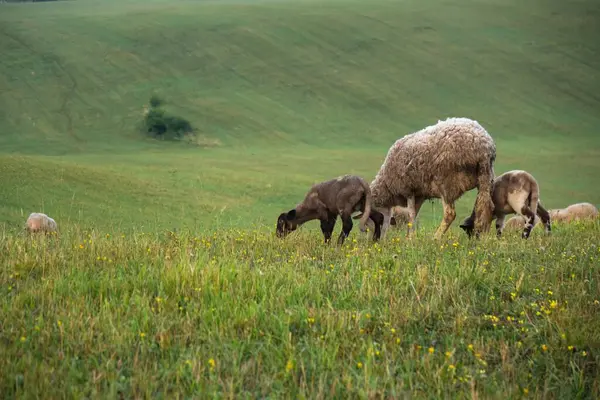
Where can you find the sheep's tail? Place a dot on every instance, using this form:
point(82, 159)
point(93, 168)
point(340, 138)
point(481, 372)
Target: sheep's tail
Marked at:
point(367, 212)
point(484, 206)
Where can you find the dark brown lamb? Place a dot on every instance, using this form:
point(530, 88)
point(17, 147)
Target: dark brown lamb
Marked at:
point(326, 200)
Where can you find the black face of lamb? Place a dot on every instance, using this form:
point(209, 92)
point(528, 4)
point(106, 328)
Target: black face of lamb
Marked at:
point(285, 225)
point(468, 228)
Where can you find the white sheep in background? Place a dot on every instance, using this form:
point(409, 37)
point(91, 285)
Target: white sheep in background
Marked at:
point(575, 212)
point(39, 222)
point(440, 161)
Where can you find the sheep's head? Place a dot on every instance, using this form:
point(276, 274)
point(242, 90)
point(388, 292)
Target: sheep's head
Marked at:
point(468, 226)
point(286, 223)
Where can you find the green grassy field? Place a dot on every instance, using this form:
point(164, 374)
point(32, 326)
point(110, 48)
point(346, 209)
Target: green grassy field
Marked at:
point(237, 313)
point(285, 94)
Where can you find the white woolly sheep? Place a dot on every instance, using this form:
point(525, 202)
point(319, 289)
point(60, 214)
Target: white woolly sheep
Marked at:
point(575, 212)
point(39, 222)
point(579, 211)
point(440, 161)
point(325, 201)
point(517, 222)
point(518, 192)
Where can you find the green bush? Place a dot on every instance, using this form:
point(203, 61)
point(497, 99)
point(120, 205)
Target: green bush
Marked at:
point(161, 125)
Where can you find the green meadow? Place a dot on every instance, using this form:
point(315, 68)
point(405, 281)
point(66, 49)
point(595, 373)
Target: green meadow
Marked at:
point(166, 279)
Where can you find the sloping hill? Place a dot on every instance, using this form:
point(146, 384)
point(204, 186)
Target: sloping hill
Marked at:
point(337, 82)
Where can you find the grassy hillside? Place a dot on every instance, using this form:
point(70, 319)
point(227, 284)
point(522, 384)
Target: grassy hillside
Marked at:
point(283, 94)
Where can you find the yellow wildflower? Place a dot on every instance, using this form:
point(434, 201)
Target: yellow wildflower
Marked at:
point(359, 364)
point(431, 350)
point(289, 365)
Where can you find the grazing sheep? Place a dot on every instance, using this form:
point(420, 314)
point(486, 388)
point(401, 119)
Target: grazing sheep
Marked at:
point(326, 200)
point(38, 222)
point(575, 212)
point(578, 211)
point(400, 216)
point(518, 192)
point(440, 161)
point(517, 222)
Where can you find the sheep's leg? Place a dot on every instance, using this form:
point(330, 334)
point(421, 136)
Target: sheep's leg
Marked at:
point(418, 203)
point(327, 227)
point(412, 214)
point(387, 217)
point(529, 221)
point(449, 216)
point(413, 204)
point(377, 218)
point(346, 227)
point(484, 205)
point(545, 217)
point(500, 225)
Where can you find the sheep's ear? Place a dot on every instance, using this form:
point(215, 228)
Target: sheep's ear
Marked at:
point(291, 215)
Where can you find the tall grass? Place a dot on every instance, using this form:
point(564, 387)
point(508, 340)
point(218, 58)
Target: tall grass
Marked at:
point(240, 313)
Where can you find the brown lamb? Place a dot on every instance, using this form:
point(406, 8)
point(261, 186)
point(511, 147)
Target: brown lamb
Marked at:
point(326, 200)
point(513, 192)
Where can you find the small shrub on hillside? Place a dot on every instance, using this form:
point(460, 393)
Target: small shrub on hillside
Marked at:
point(161, 125)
